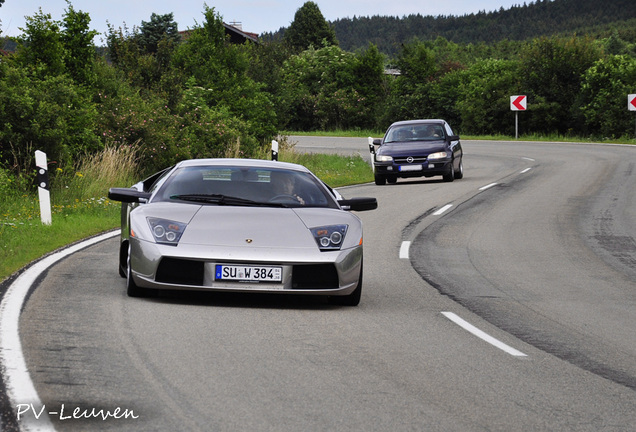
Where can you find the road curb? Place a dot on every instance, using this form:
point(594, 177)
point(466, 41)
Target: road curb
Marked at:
point(15, 381)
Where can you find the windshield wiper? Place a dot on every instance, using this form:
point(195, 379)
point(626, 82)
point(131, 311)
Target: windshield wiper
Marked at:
point(221, 199)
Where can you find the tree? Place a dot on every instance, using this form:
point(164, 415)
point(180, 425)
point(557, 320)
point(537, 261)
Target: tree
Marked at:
point(370, 82)
point(159, 27)
point(309, 28)
point(604, 91)
point(52, 113)
point(552, 70)
point(77, 39)
point(149, 67)
point(325, 89)
point(411, 91)
point(484, 96)
point(41, 47)
point(219, 78)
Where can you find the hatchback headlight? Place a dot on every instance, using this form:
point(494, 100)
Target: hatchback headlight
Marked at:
point(166, 231)
point(330, 237)
point(382, 158)
point(438, 155)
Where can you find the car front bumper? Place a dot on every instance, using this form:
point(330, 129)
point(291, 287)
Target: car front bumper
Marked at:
point(425, 169)
point(187, 267)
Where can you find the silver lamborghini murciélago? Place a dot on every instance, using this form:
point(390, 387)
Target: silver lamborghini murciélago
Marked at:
point(240, 225)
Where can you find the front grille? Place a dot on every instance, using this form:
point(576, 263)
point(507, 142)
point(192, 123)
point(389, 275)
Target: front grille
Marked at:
point(416, 159)
point(315, 276)
point(180, 272)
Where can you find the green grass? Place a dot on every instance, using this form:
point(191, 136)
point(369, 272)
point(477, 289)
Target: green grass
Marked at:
point(23, 238)
point(79, 207)
point(334, 170)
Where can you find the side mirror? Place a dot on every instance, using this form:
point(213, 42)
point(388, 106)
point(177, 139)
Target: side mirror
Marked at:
point(453, 138)
point(377, 141)
point(128, 195)
point(359, 204)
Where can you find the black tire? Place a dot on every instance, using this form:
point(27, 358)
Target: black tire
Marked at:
point(380, 180)
point(352, 299)
point(131, 287)
point(123, 257)
point(459, 174)
point(450, 175)
point(391, 179)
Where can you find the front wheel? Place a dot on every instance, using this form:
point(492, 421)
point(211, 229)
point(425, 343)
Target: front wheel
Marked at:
point(450, 175)
point(352, 299)
point(459, 174)
point(131, 287)
point(380, 180)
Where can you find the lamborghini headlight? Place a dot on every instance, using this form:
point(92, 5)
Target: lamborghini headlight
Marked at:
point(330, 237)
point(166, 231)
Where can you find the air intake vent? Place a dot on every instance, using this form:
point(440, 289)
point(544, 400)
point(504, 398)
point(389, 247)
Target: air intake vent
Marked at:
point(315, 276)
point(180, 272)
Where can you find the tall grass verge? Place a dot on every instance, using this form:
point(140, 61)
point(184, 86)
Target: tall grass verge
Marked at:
point(79, 207)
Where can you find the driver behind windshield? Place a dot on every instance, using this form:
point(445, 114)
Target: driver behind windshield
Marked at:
point(284, 184)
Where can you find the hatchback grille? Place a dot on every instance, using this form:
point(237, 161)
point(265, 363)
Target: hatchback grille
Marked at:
point(180, 271)
point(315, 276)
point(416, 159)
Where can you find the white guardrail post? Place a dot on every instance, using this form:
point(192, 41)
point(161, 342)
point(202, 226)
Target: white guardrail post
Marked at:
point(371, 152)
point(44, 188)
point(274, 150)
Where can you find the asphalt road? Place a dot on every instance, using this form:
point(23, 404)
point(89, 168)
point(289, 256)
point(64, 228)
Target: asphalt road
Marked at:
point(536, 250)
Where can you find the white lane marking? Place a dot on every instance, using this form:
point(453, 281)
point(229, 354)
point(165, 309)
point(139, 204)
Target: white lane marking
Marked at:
point(442, 210)
point(482, 335)
point(483, 188)
point(19, 386)
point(528, 159)
point(525, 170)
point(404, 249)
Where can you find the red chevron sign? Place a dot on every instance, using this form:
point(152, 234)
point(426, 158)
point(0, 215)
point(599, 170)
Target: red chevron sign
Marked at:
point(518, 103)
point(631, 102)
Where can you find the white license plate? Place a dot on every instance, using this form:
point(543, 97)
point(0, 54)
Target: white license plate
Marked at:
point(248, 273)
point(411, 167)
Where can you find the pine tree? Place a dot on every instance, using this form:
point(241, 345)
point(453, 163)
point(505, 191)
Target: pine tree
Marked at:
point(309, 28)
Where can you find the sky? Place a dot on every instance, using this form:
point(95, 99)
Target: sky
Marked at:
point(255, 16)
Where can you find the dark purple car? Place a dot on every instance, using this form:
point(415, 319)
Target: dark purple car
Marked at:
point(417, 148)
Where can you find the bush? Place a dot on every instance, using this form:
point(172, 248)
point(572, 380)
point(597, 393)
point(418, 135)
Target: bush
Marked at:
point(51, 113)
point(605, 85)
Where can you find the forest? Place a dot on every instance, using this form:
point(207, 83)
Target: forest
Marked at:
point(169, 97)
point(519, 23)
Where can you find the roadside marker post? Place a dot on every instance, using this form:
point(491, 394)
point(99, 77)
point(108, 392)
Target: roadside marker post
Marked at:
point(274, 150)
point(44, 187)
point(631, 105)
point(371, 152)
point(518, 103)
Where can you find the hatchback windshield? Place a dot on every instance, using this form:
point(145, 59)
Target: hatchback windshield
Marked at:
point(421, 132)
point(246, 186)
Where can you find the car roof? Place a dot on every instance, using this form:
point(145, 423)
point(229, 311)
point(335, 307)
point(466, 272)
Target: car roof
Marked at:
point(421, 121)
point(251, 163)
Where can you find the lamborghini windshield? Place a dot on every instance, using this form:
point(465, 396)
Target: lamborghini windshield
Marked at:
point(244, 186)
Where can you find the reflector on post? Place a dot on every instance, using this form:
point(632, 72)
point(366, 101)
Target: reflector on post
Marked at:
point(274, 150)
point(44, 188)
